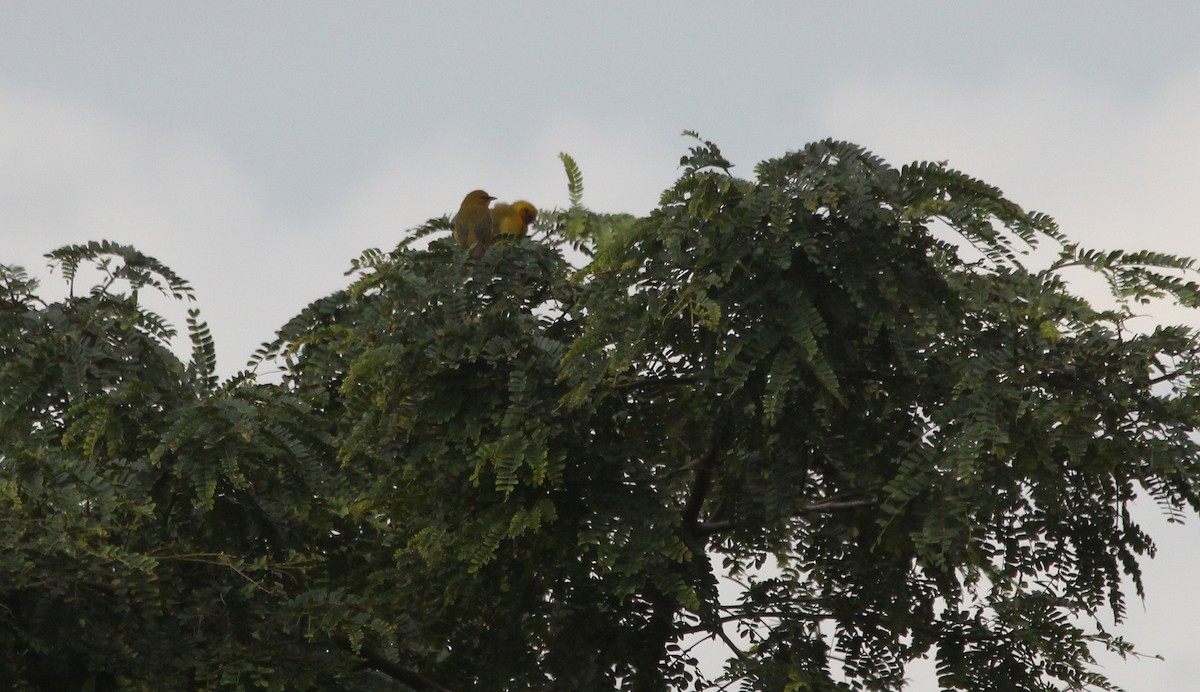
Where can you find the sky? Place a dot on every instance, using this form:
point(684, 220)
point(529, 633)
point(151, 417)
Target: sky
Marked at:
point(256, 148)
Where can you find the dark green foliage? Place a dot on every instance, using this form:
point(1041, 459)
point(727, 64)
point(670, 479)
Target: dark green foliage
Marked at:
point(838, 383)
point(159, 531)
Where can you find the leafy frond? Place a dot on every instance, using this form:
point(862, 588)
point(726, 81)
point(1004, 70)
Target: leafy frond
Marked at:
point(435, 225)
point(17, 289)
point(204, 351)
point(704, 155)
point(138, 269)
point(574, 179)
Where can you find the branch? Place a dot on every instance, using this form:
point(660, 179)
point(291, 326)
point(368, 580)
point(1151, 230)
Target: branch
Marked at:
point(758, 618)
point(837, 505)
point(676, 471)
point(720, 632)
point(708, 528)
point(1168, 376)
point(706, 462)
point(647, 382)
point(377, 661)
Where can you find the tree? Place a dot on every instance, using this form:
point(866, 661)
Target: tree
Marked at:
point(845, 386)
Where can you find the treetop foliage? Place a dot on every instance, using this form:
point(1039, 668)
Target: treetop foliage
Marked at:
point(845, 387)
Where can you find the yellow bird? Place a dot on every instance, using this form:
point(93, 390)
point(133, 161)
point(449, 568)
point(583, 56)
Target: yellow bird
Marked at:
point(473, 222)
point(513, 219)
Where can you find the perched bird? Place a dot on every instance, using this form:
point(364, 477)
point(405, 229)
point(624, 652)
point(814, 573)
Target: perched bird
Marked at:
point(473, 222)
point(513, 219)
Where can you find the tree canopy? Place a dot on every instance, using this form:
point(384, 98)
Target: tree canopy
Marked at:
point(833, 418)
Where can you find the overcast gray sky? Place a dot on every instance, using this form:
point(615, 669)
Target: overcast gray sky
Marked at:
point(257, 147)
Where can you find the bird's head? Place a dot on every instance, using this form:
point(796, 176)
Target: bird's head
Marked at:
point(478, 197)
point(525, 211)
